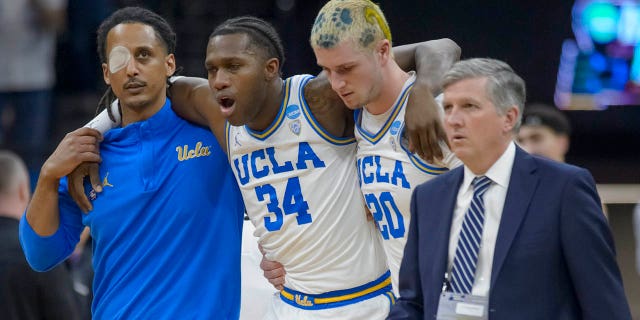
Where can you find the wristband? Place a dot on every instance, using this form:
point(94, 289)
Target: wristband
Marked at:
point(102, 122)
point(173, 79)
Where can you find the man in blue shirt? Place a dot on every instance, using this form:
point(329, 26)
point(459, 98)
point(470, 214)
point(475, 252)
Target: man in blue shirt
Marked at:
point(167, 224)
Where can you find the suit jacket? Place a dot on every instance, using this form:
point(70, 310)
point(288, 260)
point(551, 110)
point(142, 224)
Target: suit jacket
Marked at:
point(554, 254)
point(29, 295)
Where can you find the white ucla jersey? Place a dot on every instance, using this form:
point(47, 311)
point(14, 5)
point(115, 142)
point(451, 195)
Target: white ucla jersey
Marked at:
point(388, 174)
point(300, 188)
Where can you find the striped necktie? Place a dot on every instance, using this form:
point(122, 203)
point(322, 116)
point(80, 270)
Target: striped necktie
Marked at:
point(466, 258)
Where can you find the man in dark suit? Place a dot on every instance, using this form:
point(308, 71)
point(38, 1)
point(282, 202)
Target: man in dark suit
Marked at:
point(24, 293)
point(530, 237)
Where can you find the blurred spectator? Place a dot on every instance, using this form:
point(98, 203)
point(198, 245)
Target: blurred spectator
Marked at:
point(27, 43)
point(545, 132)
point(24, 293)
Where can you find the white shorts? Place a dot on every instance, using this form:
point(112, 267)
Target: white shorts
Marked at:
point(369, 301)
point(374, 308)
point(256, 290)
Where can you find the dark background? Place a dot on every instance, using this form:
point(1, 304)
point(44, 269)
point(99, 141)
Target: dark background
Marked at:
point(526, 34)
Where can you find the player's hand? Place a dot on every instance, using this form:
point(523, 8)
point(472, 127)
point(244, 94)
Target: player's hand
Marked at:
point(75, 148)
point(273, 271)
point(423, 125)
point(76, 184)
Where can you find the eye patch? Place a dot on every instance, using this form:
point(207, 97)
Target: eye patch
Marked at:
point(118, 58)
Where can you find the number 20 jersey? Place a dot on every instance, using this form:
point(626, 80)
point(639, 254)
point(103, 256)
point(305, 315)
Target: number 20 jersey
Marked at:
point(389, 173)
point(300, 188)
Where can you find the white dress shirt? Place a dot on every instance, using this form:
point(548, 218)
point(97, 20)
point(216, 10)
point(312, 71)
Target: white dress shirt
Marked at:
point(494, 197)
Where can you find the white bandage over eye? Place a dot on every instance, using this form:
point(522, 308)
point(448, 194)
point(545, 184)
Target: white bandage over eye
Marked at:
point(118, 58)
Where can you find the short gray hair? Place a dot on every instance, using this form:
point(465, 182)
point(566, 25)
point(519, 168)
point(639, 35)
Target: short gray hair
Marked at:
point(504, 87)
point(13, 171)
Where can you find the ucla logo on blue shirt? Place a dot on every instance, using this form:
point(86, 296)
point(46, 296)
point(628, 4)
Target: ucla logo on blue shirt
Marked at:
point(395, 127)
point(293, 111)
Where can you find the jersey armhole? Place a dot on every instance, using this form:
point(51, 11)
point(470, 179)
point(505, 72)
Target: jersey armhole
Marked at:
point(418, 162)
point(314, 123)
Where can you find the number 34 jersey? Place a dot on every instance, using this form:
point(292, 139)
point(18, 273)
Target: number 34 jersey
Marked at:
point(388, 174)
point(300, 188)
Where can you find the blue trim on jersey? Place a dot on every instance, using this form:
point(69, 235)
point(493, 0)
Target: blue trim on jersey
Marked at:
point(279, 117)
point(374, 138)
point(338, 298)
point(341, 141)
point(356, 116)
point(418, 162)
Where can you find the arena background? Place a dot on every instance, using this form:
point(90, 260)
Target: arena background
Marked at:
point(526, 34)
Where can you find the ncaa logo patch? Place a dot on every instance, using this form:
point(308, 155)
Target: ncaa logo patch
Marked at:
point(295, 127)
point(395, 127)
point(293, 111)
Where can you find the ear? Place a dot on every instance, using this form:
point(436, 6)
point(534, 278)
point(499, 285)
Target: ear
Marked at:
point(511, 117)
point(105, 74)
point(272, 69)
point(24, 192)
point(170, 64)
point(564, 143)
point(383, 50)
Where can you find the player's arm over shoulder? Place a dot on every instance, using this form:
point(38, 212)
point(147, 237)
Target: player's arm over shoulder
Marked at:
point(193, 100)
point(327, 107)
point(430, 59)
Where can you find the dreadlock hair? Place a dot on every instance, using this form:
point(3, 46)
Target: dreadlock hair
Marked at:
point(163, 31)
point(263, 35)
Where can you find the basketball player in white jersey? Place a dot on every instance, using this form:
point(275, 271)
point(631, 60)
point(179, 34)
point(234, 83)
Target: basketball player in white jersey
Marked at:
point(301, 191)
point(361, 69)
point(291, 146)
point(354, 50)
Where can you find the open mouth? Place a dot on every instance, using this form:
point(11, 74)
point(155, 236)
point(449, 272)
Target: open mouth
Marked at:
point(226, 103)
point(226, 106)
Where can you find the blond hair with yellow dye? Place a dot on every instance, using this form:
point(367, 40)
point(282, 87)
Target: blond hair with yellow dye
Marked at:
point(360, 21)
